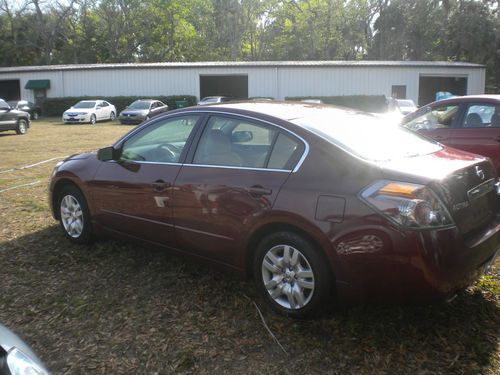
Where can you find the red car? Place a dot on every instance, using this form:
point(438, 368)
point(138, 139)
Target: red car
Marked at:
point(310, 201)
point(469, 123)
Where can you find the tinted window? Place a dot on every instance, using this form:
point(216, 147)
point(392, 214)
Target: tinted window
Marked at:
point(229, 141)
point(481, 116)
point(84, 105)
point(161, 142)
point(436, 118)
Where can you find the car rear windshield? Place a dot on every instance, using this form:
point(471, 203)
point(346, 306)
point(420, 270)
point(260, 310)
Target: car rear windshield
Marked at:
point(368, 137)
point(84, 105)
point(406, 103)
point(139, 105)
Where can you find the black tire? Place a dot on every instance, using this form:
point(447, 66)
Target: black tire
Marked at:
point(313, 301)
point(112, 116)
point(73, 194)
point(36, 115)
point(22, 126)
point(92, 119)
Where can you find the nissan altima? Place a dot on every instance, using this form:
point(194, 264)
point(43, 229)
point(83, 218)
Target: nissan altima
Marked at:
point(313, 202)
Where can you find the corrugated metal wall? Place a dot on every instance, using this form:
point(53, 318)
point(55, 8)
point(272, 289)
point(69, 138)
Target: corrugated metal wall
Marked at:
point(277, 82)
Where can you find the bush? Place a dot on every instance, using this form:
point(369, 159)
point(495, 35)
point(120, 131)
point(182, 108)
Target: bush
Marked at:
point(56, 106)
point(368, 103)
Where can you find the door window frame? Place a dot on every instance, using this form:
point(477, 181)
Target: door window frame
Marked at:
point(279, 129)
point(189, 142)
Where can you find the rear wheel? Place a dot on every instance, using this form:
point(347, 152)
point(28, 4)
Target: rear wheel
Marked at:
point(35, 115)
point(22, 126)
point(112, 116)
point(291, 275)
point(92, 119)
point(74, 215)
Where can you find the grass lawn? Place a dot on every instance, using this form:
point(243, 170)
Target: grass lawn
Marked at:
point(116, 308)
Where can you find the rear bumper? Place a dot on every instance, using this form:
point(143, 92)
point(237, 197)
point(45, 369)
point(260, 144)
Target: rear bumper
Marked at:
point(412, 266)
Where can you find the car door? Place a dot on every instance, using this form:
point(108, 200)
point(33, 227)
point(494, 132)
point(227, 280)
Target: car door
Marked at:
point(7, 120)
point(103, 110)
point(235, 175)
point(436, 122)
point(478, 130)
point(133, 194)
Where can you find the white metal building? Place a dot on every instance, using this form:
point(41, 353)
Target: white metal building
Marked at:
point(415, 80)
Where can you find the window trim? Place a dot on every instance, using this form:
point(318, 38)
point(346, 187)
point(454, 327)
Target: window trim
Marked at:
point(257, 120)
point(465, 109)
point(182, 158)
point(198, 131)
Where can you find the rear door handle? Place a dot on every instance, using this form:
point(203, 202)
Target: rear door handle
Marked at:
point(160, 186)
point(259, 190)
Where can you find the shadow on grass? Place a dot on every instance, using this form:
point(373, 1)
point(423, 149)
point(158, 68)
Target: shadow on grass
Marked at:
point(114, 308)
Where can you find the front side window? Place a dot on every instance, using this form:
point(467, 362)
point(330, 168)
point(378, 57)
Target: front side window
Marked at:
point(161, 142)
point(436, 118)
point(482, 116)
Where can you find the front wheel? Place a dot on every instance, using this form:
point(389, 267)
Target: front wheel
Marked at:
point(74, 215)
point(291, 274)
point(22, 126)
point(92, 119)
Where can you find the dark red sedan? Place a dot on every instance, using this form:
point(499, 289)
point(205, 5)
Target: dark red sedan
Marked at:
point(469, 123)
point(312, 201)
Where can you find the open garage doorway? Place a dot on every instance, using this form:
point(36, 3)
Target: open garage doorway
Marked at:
point(428, 86)
point(10, 89)
point(232, 86)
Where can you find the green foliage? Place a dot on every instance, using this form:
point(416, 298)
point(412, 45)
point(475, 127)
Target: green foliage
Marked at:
point(107, 31)
point(368, 103)
point(56, 106)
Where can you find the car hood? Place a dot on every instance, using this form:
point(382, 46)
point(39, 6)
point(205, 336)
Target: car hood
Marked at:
point(83, 156)
point(79, 110)
point(434, 166)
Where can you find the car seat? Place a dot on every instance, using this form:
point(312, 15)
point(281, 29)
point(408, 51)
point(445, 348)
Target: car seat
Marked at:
point(473, 120)
point(216, 149)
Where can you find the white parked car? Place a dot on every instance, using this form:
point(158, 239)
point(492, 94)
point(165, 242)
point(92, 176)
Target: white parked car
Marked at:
point(406, 106)
point(207, 100)
point(89, 111)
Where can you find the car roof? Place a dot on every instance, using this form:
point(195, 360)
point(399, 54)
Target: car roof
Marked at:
point(145, 100)
point(468, 98)
point(288, 110)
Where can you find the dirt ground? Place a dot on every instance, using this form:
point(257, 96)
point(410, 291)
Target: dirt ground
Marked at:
point(117, 308)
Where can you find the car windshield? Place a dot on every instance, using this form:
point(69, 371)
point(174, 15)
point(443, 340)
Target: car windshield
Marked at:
point(139, 105)
point(368, 137)
point(406, 103)
point(210, 99)
point(84, 105)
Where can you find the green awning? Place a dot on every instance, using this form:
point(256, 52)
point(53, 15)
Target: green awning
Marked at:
point(38, 84)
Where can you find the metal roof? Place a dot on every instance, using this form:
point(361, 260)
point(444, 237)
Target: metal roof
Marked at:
point(242, 64)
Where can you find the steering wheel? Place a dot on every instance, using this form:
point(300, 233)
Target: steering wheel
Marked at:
point(167, 152)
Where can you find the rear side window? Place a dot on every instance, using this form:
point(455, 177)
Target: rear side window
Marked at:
point(482, 116)
point(285, 154)
point(241, 142)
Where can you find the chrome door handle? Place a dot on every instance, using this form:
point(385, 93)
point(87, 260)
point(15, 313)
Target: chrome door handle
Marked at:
point(259, 190)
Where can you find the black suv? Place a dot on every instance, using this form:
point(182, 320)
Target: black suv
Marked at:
point(12, 119)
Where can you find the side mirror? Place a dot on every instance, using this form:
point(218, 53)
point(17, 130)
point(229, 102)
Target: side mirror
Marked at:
point(242, 136)
point(107, 153)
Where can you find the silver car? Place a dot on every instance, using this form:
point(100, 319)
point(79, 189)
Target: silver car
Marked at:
point(16, 357)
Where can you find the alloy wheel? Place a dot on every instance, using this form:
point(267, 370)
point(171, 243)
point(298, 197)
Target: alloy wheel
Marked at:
point(288, 277)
